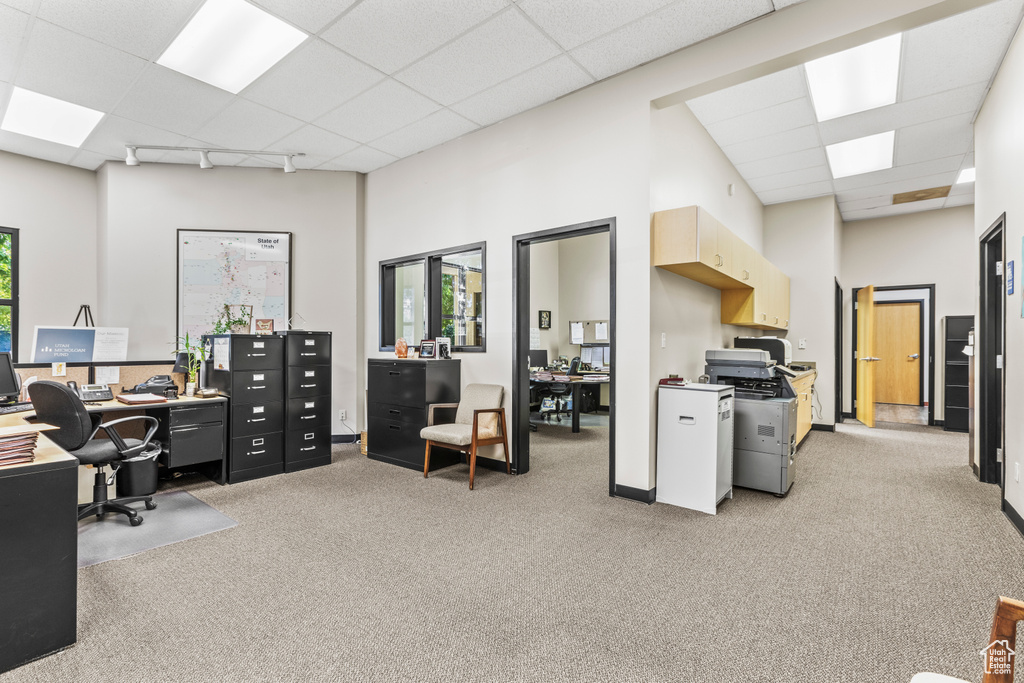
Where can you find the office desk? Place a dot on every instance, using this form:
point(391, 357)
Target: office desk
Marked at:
point(575, 386)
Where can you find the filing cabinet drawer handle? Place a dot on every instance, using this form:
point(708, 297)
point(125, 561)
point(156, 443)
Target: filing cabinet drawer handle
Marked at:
point(260, 419)
point(185, 429)
point(306, 386)
point(394, 412)
point(259, 387)
point(394, 373)
point(257, 355)
point(311, 448)
point(307, 354)
point(396, 428)
point(307, 417)
point(257, 452)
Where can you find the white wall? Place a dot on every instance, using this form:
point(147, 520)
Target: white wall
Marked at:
point(590, 156)
point(54, 207)
point(932, 247)
point(147, 204)
point(544, 293)
point(583, 277)
point(999, 160)
point(799, 238)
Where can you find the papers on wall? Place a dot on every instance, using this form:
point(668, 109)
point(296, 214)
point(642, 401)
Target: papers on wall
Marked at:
point(576, 332)
point(534, 338)
point(586, 354)
point(601, 331)
point(108, 374)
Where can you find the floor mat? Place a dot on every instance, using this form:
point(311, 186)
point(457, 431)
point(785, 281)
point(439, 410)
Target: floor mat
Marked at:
point(179, 516)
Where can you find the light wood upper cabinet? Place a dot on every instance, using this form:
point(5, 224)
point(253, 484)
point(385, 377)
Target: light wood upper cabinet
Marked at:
point(690, 242)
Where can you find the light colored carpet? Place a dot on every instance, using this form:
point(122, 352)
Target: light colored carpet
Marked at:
point(178, 517)
point(885, 559)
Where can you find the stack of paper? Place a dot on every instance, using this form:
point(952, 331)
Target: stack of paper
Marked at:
point(18, 447)
point(139, 399)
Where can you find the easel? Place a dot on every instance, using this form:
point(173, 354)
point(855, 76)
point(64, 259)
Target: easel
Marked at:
point(84, 308)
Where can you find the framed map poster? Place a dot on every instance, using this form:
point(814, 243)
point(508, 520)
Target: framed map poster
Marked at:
point(233, 268)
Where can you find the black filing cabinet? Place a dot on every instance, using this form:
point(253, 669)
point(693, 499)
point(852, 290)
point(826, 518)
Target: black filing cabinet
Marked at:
point(253, 377)
point(308, 403)
point(956, 384)
point(399, 392)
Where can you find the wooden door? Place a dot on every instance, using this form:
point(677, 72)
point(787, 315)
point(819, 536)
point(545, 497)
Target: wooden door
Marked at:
point(898, 347)
point(866, 358)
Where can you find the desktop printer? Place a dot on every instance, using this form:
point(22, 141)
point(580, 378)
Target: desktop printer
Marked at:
point(780, 350)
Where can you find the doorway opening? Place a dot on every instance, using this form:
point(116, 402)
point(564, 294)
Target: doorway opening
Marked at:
point(990, 345)
point(839, 352)
point(599, 344)
point(902, 353)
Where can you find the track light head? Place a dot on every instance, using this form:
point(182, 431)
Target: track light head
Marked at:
point(204, 159)
point(131, 158)
point(289, 165)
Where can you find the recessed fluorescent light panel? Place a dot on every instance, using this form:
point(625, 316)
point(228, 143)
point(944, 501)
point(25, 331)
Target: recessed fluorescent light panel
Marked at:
point(47, 118)
point(229, 44)
point(862, 155)
point(966, 176)
point(857, 79)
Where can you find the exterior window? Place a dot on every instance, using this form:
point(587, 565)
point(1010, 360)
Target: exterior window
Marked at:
point(9, 291)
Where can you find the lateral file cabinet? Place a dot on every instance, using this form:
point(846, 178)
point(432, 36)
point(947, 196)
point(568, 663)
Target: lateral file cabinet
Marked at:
point(254, 381)
point(399, 392)
point(308, 409)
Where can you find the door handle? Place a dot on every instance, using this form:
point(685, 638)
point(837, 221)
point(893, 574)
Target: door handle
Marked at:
point(914, 356)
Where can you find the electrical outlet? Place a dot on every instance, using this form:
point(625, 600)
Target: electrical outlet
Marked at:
point(341, 415)
point(802, 344)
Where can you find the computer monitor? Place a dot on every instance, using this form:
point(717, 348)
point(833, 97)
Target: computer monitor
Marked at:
point(538, 358)
point(10, 383)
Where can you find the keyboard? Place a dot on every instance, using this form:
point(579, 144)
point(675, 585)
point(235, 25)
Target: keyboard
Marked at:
point(16, 408)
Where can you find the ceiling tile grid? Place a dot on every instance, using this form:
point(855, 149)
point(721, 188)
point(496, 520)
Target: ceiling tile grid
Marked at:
point(569, 27)
point(766, 126)
point(382, 109)
point(311, 16)
point(13, 25)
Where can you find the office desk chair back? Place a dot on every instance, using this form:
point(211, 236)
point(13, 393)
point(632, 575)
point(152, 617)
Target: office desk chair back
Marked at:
point(479, 421)
point(58, 405)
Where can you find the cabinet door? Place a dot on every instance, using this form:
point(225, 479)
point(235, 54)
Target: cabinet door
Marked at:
point(782, 301)
point(707, 239)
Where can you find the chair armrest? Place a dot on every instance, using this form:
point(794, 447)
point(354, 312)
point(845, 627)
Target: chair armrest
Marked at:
point(118, 440)
point(434, 406)
point(478, 411)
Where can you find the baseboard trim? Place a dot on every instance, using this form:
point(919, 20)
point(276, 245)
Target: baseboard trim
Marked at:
point(823, 428)
point(849, 415)
point(639, 495)
point(939, 423)
point(344, 438)
point(1015, 519)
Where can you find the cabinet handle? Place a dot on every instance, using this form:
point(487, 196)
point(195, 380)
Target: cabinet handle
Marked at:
point(311, 448)
point(764, 317)
point(304, 386)
point(261, 419)
point(397, 429)
point(395, 412)
point(185, 429)
point(308, 417)
point(776, 320)
point(308, 354)
point(260, 387)
point(256, 355)
point(256, 452)
point(394, 373)
point(746, 274)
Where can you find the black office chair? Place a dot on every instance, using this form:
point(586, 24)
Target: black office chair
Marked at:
point(562, 394)
point(57, 404)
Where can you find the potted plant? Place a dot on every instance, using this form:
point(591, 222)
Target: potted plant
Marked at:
point(229, 322)
point(194, 355)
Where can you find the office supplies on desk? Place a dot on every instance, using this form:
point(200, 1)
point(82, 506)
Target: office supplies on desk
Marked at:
point(157, 384)
point(92, 392)
point(140, 399)
point(15, 408)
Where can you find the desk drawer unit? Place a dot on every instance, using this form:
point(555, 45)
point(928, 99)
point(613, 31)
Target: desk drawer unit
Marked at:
point(191, 434)
point(254, 382)
point(399, 392)
point(308, 391)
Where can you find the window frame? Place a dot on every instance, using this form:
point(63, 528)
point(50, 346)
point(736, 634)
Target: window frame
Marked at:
point(432, 261)
point(13, 301)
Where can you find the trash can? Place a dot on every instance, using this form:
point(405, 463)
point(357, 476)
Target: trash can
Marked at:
point(137, 477)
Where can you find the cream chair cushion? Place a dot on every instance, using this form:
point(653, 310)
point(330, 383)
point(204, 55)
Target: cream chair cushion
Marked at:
point(474, 397)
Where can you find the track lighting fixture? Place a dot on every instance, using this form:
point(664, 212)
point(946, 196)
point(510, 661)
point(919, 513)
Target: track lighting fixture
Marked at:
point(132, 158)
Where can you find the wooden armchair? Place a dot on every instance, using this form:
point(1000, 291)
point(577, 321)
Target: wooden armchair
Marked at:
point(479, 421)
point(998, 656)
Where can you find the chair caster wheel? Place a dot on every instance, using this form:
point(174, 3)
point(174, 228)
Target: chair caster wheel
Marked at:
point(150, 505)
point(135, 520)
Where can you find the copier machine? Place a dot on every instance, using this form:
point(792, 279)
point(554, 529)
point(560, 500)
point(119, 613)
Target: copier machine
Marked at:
point(765, 419)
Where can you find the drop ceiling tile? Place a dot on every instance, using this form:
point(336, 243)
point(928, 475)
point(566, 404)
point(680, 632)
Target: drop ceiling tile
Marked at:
point(315, 142)
point(959, 200)
point(144, 29)
point(67, 66)
point(265, 162)
point(12, 30)
point(969, 159)
point(961, 189)
point(786, 163)
point(172, 101)
point(34, 147)
point(91, 161)
point(965, 48)
point(425, 133)
point(363, 160)
point(790, 194)
point(247, 125)
point(962, 100)
point(381, 110)
point(764, 122)
point(869, 203)
point(891, 187)
point(780, 181)
point(26, 6)
point(751, 96)
point(780, 144)
point(669, 29)
point(311, 81)
point(310, 15)
point(114, 132)
point(564, 21)
point(948, 137)
point(779, 4)
point(525, 91)
point(945, 168)
point(894, 210)
point(505, 46)
point(390, 35)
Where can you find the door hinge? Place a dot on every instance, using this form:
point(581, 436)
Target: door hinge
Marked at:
point(855, 355)
point(999, 362)
point(999, 267)
point(999, 455)
point(855, 305)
